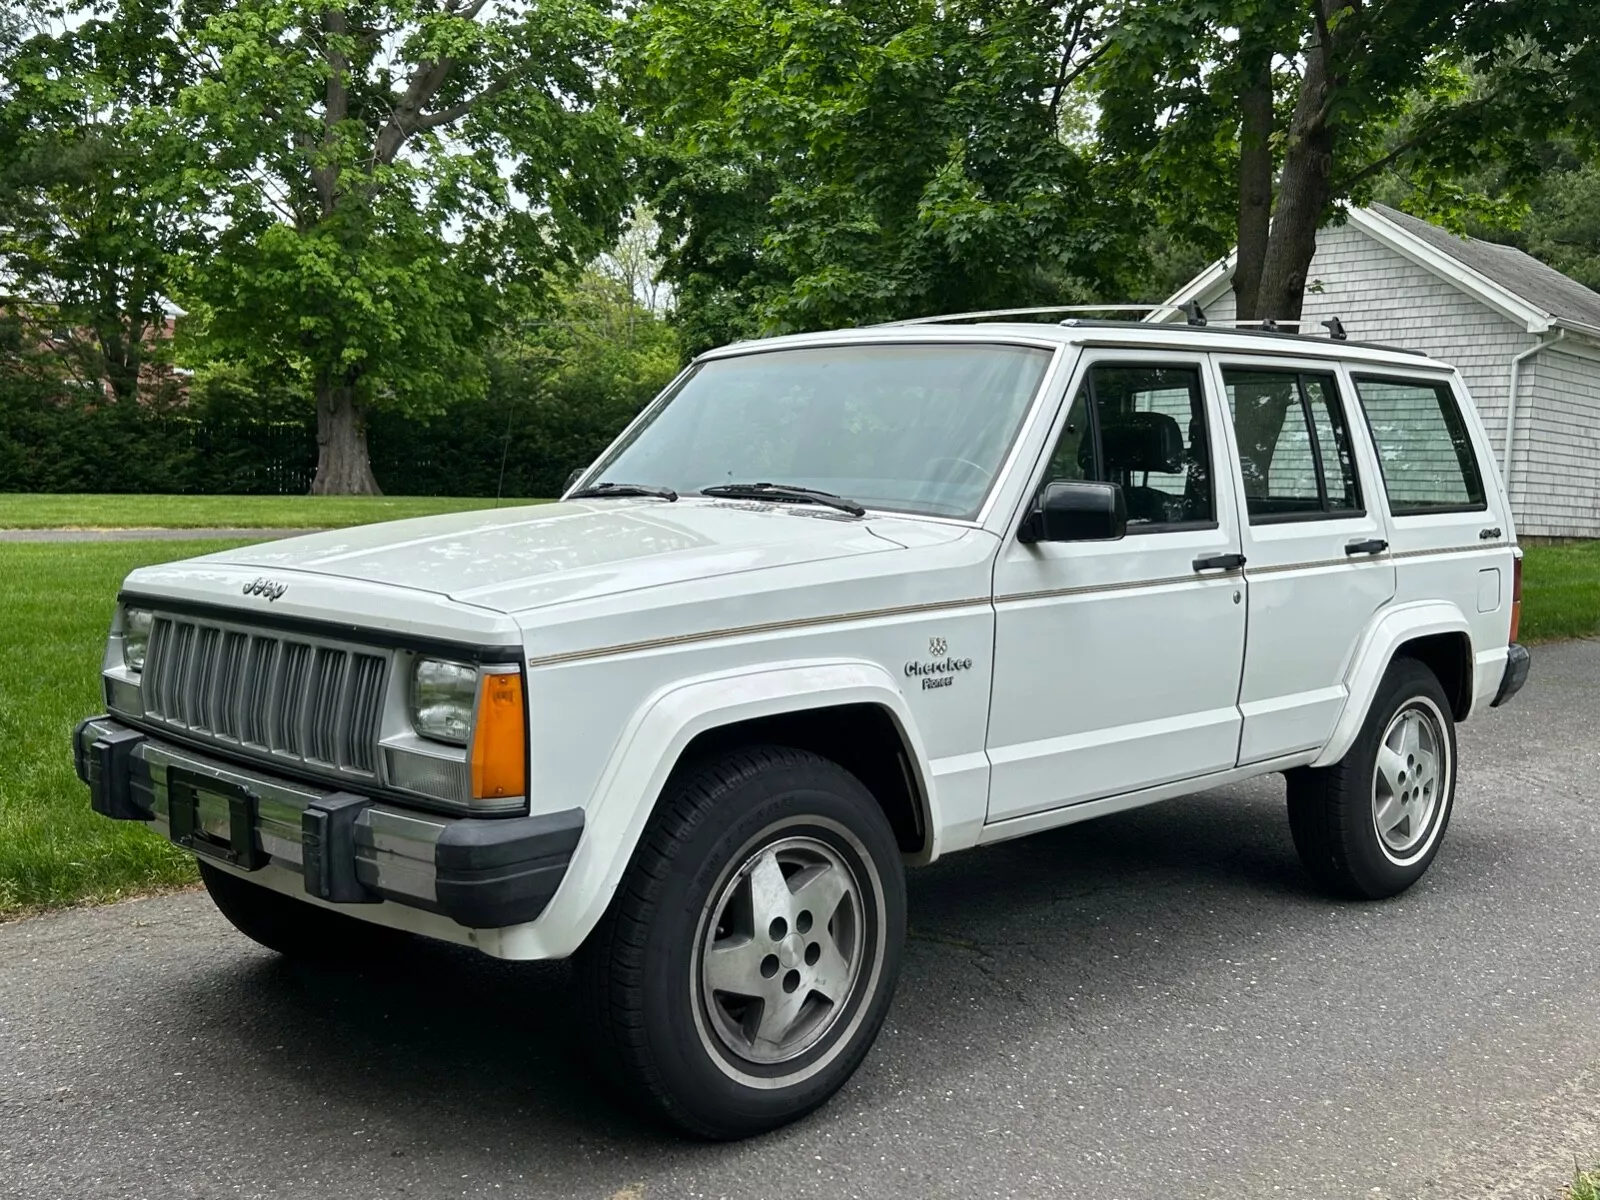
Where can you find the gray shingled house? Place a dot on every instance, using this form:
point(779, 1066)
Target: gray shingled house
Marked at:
point(1525, 337)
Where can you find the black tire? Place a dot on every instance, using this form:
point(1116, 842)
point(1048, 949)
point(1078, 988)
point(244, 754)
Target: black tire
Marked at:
point(661, 1028)
point(294, 927)
point(1334, 812)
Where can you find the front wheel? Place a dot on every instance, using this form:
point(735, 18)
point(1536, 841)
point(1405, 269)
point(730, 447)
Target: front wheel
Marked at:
point(748, 960)
point(1369, 825)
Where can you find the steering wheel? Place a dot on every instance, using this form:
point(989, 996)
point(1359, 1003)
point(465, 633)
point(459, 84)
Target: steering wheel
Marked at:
point(962, 462)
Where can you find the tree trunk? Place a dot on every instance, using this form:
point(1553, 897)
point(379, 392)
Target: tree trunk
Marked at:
point(1255, 177)
point(1305, 187)
point(121, 359)
point(342, 465)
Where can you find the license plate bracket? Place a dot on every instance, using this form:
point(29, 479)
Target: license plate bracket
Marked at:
point(238, 846)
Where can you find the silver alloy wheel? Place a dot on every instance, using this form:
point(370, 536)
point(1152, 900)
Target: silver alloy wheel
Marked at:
point(783, 950)
point(1410, 779)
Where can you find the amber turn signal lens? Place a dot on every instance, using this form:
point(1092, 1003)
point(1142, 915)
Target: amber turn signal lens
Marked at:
point(500, 739)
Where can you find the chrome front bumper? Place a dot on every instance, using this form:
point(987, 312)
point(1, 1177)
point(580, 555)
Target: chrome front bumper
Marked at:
point(482, 873)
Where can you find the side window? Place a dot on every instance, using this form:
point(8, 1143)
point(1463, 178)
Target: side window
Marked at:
point(1423, 446)
point(1294, 445)
point(1142, 427)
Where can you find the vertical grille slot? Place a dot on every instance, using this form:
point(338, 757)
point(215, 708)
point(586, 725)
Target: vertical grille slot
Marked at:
point(290, 690)
point(316, 703)
point(227, 688)
point(203, 678)
point(363, 709)
point(157, 667)
point(327, 693)
point(260, 661)
point(183, 675)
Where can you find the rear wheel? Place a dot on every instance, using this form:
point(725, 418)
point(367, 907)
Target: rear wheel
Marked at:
point(748, 960)
point(293, 927)
point(1370, 825)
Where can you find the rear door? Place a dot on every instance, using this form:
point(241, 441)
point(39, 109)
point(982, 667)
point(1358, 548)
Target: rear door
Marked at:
point(1451, 534)
point(1316, 546)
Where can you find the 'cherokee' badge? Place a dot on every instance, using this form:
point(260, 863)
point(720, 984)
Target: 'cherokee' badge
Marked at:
point(270, 588)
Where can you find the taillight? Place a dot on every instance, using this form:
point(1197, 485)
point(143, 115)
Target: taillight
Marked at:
point(1516, 593)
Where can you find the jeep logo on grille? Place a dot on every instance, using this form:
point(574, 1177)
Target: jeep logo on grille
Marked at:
point(270, 588)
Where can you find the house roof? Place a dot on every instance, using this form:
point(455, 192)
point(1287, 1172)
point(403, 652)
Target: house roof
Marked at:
point(1566, 300)
point(1517, 285)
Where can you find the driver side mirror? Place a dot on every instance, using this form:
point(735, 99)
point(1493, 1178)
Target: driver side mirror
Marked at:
point(1076, 511)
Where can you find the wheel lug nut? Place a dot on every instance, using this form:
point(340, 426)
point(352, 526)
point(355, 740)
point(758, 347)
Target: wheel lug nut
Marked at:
point(791, 981)
point(769, 966)
point(813, 952)
point(778, 929)
point(802, 923)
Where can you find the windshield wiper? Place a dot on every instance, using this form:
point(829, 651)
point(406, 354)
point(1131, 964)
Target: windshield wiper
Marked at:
point(598, 490)
point(784, 491)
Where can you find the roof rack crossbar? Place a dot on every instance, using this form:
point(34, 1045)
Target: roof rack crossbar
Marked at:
point(1033, 312)
point(1194, 317)
point(1255, 328)
point(1267, 323)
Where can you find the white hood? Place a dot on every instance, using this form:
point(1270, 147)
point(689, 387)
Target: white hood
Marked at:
point(512, 559)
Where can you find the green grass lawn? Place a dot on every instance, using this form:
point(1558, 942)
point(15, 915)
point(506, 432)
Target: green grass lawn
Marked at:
point(55, 608)
point(1560, 591)
point(90, 511)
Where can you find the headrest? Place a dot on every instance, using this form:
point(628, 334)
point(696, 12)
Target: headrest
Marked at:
point(1142, 441)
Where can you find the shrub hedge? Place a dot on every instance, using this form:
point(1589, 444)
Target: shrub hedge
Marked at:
point(228, 437)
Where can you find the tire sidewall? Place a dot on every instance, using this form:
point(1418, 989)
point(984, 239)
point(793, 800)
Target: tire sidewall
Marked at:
point(814, 799)
point(1406, 682)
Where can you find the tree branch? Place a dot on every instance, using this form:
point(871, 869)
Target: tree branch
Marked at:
point(425, 83)
point(456, 111)
point(1406, 147)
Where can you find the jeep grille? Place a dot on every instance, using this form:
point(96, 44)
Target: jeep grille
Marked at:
point(299, 698)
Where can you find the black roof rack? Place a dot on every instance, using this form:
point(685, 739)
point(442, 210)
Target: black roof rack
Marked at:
point(1194, 317)
point(1254, 329)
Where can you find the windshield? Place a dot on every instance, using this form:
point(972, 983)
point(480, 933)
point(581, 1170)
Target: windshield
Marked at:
point(912, 428)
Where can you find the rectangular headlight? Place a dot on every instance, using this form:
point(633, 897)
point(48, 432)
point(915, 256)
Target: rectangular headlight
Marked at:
point(442, 698)
point(136, 623)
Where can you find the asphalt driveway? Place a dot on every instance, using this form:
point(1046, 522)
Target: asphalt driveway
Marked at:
point(1151, 1005)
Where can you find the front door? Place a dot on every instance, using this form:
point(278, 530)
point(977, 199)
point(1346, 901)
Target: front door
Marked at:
point(1316, 544)
point(1117, 663)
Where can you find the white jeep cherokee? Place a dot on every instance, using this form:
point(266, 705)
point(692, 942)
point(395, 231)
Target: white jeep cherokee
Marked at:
point(832, 605)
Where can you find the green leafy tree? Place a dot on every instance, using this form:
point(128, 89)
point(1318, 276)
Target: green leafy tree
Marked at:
point(1250, 120)
point(389, 178)
point(94, 214)
point(816, 163)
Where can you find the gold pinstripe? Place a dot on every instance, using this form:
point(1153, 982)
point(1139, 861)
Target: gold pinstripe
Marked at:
point(683, 639)
point(905, 610)
point(1450, 550)
point(1123, 586)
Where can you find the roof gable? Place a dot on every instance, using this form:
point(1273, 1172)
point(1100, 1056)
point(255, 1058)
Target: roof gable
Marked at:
point(1565, 300)
point(1516, 285)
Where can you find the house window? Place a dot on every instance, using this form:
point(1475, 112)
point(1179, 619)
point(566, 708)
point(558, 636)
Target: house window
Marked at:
point(1423, 445)
point(1294, 446)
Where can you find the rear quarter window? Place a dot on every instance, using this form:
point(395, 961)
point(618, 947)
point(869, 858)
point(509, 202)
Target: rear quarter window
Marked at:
point(1424, 449)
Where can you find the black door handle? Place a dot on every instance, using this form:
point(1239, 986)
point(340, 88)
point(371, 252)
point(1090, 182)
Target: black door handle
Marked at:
point(1219, 562)
point(1370, 546)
